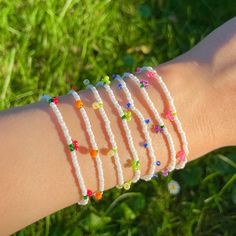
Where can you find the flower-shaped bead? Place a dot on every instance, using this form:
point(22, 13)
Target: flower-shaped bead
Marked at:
point(54, 100)
point(106, 80)
point(89, 193)
point(159, 128)
point(138, 70)
point(165, 172)
point(86, 82)
point(127, 185)
point(170, 115)
point(135, 165)
point(97, 105)
point(76, 145)
point(98, 195)
point(150, 74)
point(79, 104)
point(127, 115)
point(143, 83)
point(93, 153)
point(112, 152)
point(180, 155)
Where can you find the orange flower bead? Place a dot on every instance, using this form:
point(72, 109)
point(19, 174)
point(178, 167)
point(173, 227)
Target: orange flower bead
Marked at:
point(79, 104)
point(98, 195)
point(93, 153)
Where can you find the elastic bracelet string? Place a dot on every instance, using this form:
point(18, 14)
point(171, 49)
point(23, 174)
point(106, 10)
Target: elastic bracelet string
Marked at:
point(114, 149)
point(164, 129)
point(144, 122)
point(171, 115)
point(94, 151)
point(125, 115)
point(53, 104)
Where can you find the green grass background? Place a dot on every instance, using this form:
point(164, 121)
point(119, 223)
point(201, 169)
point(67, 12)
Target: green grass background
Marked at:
point(49, 46)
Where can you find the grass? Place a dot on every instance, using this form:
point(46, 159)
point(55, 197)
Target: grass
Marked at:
point(49, 46)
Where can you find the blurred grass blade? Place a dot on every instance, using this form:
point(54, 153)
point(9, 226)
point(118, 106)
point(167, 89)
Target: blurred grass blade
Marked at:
point(227, 160)
point(227, 185)
point(65, 9)
point(120, 198)
point(9, 72)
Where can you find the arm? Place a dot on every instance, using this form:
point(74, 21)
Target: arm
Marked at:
point(36, 177)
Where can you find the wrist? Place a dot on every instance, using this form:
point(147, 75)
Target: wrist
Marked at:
point(193, 98)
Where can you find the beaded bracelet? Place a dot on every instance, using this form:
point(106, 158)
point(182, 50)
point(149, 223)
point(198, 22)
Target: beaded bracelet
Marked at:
point(144, 122)
point(73, 145)
point(125, 116)
point(163, 128)
point(171, 115)
point(114, 151)
point(94, 151)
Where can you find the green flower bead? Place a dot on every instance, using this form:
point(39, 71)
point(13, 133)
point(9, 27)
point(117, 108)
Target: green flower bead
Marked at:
point(71, 146)
point(135, 165)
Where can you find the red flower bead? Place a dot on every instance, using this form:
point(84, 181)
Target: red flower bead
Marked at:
point(55, 100)
point(89, 193)
point(76, 145)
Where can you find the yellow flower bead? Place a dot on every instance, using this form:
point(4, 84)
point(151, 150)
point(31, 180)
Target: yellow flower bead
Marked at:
point(110, 153)
point(97, 105)
point(127, 185)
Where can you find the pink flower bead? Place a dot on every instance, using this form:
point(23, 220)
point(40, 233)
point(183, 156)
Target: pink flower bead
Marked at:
point(180, 155)
point(165, 172)
point(169, 115)
point(150, 74)
point(89, 193)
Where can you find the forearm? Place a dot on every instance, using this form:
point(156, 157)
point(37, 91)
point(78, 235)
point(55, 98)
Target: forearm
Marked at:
point(36, 176)
point(36, 173)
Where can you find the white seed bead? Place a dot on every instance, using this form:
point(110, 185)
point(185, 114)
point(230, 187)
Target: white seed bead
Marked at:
point(136, 177)
point(92, 141)
point(172, 163)
point(110, 134)
point(182, 164)
point(144, 127)
point(73, 153)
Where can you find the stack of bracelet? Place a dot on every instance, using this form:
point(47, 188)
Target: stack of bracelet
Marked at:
point(177, 160)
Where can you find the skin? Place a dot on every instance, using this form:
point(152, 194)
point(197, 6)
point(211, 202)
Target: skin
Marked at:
point(36, 174)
